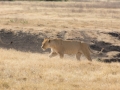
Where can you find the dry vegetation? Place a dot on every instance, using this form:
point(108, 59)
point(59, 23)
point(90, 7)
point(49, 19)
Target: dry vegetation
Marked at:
point(60, 15)
point(26, 68)
point(32, 71)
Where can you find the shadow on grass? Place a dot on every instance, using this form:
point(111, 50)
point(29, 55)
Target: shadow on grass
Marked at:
point(115, 34)
point(21, 41)
point(98, 45)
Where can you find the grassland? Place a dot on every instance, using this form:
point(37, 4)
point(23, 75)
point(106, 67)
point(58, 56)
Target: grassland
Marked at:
point(31, 71)
point(24, 67)
point(60, 15)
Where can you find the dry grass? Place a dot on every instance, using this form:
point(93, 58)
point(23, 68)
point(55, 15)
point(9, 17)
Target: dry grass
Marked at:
point(35, 71)
point(28, 71)
point(60, 15)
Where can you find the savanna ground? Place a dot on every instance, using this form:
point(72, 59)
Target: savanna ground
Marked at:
point(24, 66)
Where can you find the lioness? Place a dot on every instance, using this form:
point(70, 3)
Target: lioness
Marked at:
point(61, 47)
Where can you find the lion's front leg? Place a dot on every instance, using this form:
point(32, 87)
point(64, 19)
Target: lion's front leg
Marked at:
point(52, 54)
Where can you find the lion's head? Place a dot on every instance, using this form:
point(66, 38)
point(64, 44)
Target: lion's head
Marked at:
point(45, 44)
point(50, 43)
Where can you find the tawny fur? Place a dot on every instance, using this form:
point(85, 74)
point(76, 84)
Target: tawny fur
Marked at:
point(61, 47)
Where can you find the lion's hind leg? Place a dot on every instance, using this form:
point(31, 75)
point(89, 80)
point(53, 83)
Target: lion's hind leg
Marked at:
point(88, 57)
point(87, 54)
